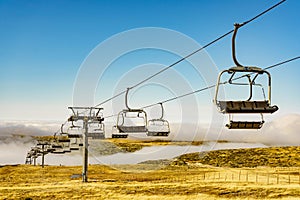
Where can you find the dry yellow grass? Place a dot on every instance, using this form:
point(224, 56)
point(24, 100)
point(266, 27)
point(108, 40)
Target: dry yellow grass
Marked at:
point(184, 182)
point(192, 176)
point(272, 157)
point(130, 145)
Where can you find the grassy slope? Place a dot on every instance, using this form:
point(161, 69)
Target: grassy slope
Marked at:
point(105, 183)
point(174, 181)
point(272, 157)
point(135, 145)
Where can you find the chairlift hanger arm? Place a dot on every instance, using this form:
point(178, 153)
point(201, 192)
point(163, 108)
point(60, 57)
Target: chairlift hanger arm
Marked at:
point(72, 108)
point(126, 99)
point(127, 106)
point(62, 128)
point(73, 126)
point(98, 111)
point(236, 27)
point(162, 110)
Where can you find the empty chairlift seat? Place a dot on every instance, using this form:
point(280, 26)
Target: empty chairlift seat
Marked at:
point(246, 107)
point(131, 129)
point(132, 121)
point(158, 127)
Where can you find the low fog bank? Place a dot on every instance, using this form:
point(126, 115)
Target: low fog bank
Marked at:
point(283, 131)
point(14, 152)
point(32, 128)
point(16, 140)
point(280, 132)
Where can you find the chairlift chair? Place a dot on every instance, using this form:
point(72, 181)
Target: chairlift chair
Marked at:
point(62, 137)
point(117, 134)
point(248, 106)
point(58, 152)
point(75, 136)
point(50, 150)
point(130, 114)
point(73, 131)
point(74, 148)
point(158, 127)
point(28, 160)
point(57, 147)
point(96, 130)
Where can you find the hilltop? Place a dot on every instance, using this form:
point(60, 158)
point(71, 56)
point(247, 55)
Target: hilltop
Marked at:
point(255, 157)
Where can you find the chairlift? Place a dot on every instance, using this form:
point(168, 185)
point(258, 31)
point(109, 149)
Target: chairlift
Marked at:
point(58, 152)
point(131, 115)
point(28, 159)
point(56, 145)
point(98, 117)
point(66, 143)
point(96, 130)
point(75, 136)
point(50, 150)
point(248, 106)
point(74, 148)
point(96, 126)
point(63, 137)
point(73, 131)
point(57, 148)
point(117, 134)
point(75, 144)
point(158, 127)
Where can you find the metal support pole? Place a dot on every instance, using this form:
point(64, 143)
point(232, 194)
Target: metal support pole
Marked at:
point(43, 155)
point(85, 150)
point(86, 118)
point(34, 160)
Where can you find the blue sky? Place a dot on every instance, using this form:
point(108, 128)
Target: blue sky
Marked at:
point(43, 43)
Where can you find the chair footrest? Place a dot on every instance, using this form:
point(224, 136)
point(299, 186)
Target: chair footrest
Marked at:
point(245, 124)
point(119, 135)
point(161, 133)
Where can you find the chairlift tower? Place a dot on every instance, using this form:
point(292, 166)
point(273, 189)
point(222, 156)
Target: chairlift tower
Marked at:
point(43, 150)
point(87, 115)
